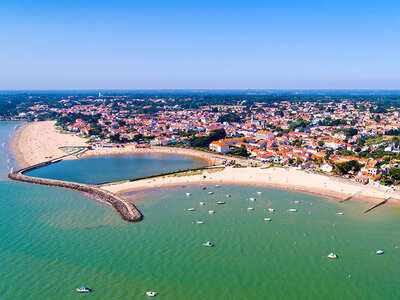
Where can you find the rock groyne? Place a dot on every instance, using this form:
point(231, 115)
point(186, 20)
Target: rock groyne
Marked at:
point(126, 209)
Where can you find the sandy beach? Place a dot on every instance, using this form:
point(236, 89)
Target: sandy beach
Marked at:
point(39, 141)
point(36, 142)
point(284, 178)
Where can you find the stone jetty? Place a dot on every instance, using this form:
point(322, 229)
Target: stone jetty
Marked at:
point(126, 209)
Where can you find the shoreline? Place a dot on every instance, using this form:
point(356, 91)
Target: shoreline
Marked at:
point(48, 139)
point(14, 148)
point(36, 142)
point(298, 189)
point(285, 179)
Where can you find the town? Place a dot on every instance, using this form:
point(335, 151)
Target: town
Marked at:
point(355, 139)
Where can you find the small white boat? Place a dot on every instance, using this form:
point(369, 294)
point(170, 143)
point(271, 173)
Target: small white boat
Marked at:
point(218, 186)
point(380, 252)
point(151, 293)
point(210, 193)
point(83, 289)
point(208, 244)
point(202, 203)
point(211, 212)
point(250, 208)
point(200, 222)
point(332, 256)
point(253, 199)
point(190, 209)
point(221, 202)
point(267, 219)
point(259, 193)
point(292, 210)
point(228, 196)
point(188, 194)
point(296, 201)
point(271, 209)
point(340, 214)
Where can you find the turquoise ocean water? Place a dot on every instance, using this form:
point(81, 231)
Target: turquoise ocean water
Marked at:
point(54, 240)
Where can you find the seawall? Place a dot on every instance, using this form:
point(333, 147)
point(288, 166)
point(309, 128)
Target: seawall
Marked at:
point(125, 208)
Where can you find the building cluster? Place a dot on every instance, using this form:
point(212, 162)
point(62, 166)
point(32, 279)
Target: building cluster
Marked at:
point(310, 135)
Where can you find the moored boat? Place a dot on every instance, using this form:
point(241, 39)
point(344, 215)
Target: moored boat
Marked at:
point(188, 194)
point(190, 209)
point(151, 293)
point(259, 193)
point(200, 222)
point(221, 202)
point(208, 244)
point(202, 203)
point(380, 252)
point(292, 210)
point(253, 199)
point(332, 256)
point(83, 289)
point(250, 208)
point(211, 212)
point(271, 209)
point(267, 219)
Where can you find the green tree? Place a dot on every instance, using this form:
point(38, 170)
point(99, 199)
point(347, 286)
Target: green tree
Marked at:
point(229, 117)
point(350, 132)
point(395, 140)
point(395, 173)
point(115, 138)
point(204, 141)
point(347, 167)
point(138, 137)
point(239, 151)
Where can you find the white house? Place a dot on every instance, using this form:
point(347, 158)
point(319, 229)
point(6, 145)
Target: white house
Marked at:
point(370, 170)
point(219, 147)
point(326, 167)
point(264, 135)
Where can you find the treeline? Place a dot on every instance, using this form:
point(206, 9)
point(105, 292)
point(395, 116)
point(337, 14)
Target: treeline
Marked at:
point(230, 118)
point(347, 167)
point(12, 103)
point(395, 132)
point(205, 141)
point(71, 118)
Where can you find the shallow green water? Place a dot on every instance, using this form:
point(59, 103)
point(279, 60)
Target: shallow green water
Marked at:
point(101, 169)
point(53, 240)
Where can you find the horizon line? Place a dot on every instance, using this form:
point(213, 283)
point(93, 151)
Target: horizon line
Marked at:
point(204, 89)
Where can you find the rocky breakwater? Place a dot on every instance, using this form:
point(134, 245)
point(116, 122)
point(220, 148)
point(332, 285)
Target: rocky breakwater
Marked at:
point(126, 209)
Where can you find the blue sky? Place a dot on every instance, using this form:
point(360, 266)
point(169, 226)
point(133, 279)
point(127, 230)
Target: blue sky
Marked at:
point(153, 44)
